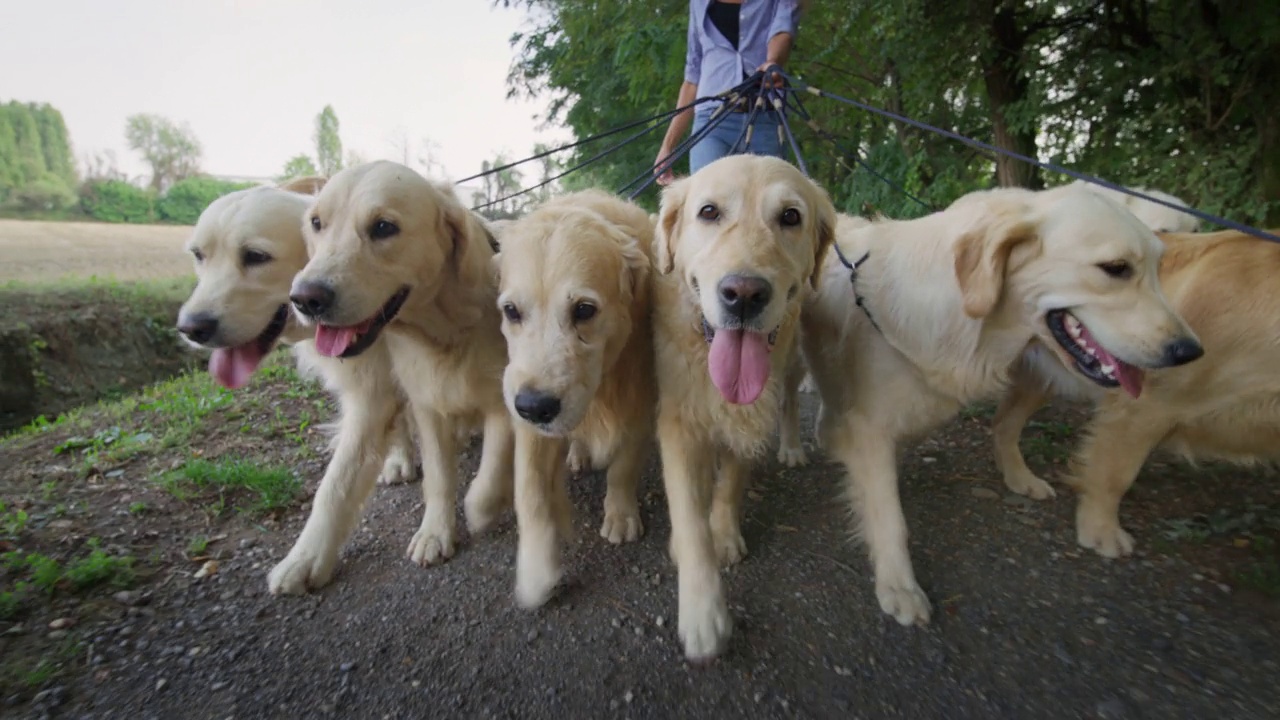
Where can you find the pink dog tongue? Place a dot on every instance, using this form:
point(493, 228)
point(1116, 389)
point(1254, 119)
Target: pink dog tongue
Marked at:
point(333, 341)
point(1130, 378)
point(232, 367)
point(739, 365)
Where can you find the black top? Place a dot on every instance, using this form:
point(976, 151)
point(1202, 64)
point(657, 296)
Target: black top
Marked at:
point(725, 17)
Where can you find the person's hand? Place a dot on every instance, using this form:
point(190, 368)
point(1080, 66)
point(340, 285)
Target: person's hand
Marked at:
point(665, 177)
point(770, 79)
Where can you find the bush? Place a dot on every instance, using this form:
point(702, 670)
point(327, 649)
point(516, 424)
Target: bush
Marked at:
point(48, 194)
point(188, 198)
point(117, 201)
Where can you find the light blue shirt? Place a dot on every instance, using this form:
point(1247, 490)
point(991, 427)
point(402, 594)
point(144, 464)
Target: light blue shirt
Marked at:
point(711, 62)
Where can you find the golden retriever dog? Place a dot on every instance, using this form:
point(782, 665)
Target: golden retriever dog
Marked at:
point(1154, 215)
point(1226, 407)
point(941, 307)
point(396, 258)
point(574, 290)
point(738, 245)
point(247, 246)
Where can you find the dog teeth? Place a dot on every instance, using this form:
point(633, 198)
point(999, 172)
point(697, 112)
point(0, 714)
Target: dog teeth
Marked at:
point(1109, 370)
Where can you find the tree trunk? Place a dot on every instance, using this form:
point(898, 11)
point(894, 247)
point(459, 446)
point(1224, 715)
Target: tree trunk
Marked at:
point(1007, 85)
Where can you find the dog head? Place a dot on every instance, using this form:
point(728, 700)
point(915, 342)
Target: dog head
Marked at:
point(247, 246)
point(377, 234)
point(1085, 273)
point(571, 279)
point(747, 235)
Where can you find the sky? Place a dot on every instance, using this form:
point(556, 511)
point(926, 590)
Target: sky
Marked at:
point(249, 76)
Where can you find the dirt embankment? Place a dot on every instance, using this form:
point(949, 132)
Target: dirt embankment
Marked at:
point(64, 347)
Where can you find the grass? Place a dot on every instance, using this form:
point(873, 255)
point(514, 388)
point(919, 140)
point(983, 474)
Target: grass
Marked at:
point(1051, 441)
point(39, 574)
point(52, 250)
point(270, 488)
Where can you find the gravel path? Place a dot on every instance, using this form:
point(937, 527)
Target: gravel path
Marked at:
point(1026, 625)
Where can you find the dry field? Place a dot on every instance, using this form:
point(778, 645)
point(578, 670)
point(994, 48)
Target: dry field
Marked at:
point(34, 251)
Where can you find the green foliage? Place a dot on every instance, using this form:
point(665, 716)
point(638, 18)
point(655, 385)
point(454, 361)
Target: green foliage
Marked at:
point(37, 169)
point(270, 488)
point(1174, 96)
point(184, 202)
point(298, 166)
point(117, 201)
point(99, 568)
point(328, 142)
point(172, 150)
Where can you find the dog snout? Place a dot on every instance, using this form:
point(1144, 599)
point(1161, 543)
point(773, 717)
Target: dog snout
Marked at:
point(744, 296)
point(312, 299)
point(537, 407)
point(198, 327)
point(1182, 351)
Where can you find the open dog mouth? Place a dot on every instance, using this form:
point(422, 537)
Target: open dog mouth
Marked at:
point(739, 361)
point(233, 366)
point(1091, 359)
point(351, 340)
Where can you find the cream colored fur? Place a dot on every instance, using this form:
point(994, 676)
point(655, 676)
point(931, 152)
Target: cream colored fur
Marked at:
point(1154, 215)
point(445, 348)
point(702, 437)
point(957, 296)
point(586, 252)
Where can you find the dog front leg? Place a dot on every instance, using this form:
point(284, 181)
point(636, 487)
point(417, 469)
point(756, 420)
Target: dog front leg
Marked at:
point(1025, 396)
point(349, 478)
point(726, 510)
point(870, 456)
point(790, 449)
point(1116, 446)
point(541, 502)
point(622, 521)
point(434, 540)
point(687, 474)
point(491, 490)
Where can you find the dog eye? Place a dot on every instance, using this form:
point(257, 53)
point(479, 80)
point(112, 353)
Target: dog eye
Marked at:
point(790, 217)
point(254, 257)
point(512, 313)
point(199, 256)
point(382, 230)
point(709, 212)
point(583, 312)
point(1119, 269)
point(315, 223)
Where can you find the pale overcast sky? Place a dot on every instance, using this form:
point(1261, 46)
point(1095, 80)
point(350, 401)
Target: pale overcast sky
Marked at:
point(249, 76)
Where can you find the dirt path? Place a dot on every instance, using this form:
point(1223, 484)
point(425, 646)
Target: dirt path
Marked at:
point(1026, 624)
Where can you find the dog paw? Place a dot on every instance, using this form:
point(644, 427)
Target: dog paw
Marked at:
point(1029, 485)
point(398, 469)
point(622, 526)
point(303, 569)
point(1101, 532)
point(705, 624)
point(579, 460)
point(905, 601)
point(731, 548)
point(482, 507)
point(808, 385)
point(535, 583)
point(431, 544)
point(793, 456)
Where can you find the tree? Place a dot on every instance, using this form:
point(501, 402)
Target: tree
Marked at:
point(328, 142)
point(37, 173)
point(55, 145)
point(172, 150)
point(299, 165)
point(422, 156)
point(497, 189)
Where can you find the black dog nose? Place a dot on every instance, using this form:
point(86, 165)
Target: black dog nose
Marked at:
point(312, 298)
point(1182, 351)
point(744, 295)
point(536, 407)
point(199, 327)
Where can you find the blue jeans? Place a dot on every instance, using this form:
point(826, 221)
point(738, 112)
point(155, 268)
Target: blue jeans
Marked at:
point(720, 141)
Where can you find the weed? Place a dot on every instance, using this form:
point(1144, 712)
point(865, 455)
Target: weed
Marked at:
point(197, 545)
point(45, 572)
point(1263, 576)
point(99, 568)
point(12, 522)
point(272, 488)
point(11, 601)
point(137, 508)
point(47, 489)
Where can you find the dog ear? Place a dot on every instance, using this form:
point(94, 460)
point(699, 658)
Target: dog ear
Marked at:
point(826, 228)
point(667, 232)
point(310, 185)
point(982, 258)
point(635, 267)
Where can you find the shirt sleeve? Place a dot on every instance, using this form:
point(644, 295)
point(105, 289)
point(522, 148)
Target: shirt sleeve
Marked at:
point(693, 53)
point(784, 18)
